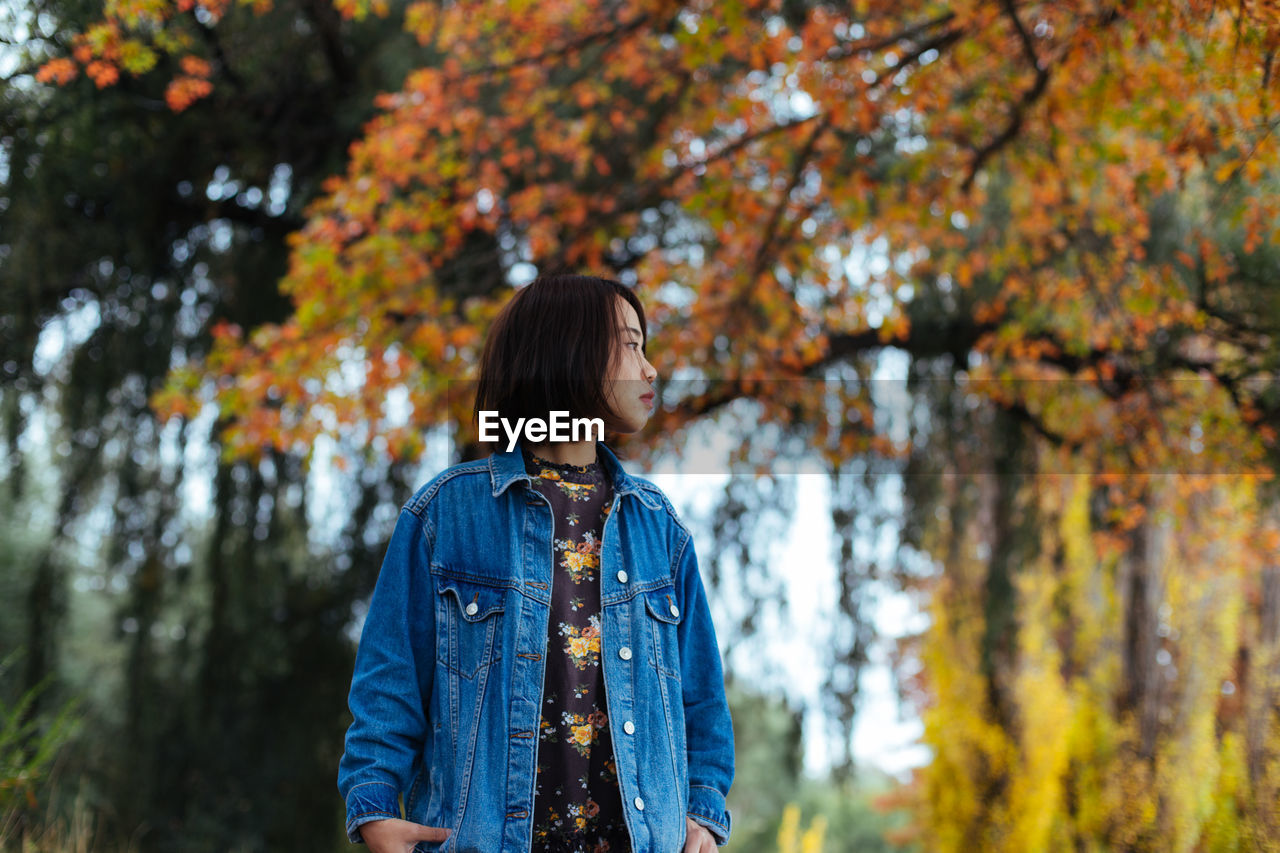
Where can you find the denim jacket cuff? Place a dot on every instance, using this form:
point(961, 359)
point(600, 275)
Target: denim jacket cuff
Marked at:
point(370, 801)
point(707, 807)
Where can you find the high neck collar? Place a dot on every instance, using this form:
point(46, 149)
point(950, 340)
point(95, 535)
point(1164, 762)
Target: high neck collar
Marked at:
point(507, 466)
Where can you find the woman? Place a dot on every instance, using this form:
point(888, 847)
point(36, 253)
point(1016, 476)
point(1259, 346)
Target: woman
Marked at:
point(538, 668)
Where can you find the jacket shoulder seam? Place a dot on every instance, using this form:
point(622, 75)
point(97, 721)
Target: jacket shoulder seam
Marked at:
point(654, 489)
point(421, 498)
point(674, 517)
point(417, 505)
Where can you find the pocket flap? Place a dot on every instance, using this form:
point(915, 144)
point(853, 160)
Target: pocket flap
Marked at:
point(662, 605)
point(475, 601)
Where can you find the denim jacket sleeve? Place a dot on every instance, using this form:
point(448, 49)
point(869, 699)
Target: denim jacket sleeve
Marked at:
point(708, 726)
point(392, 681)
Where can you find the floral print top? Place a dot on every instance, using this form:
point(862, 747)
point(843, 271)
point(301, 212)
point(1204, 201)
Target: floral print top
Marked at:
point(577, 805)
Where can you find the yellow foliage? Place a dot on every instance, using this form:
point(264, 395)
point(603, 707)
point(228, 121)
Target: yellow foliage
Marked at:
point(1035, 796)
point(1084, 756)
point(790, 837)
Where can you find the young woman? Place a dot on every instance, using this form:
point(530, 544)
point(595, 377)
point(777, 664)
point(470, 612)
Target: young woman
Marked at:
point(538, 668)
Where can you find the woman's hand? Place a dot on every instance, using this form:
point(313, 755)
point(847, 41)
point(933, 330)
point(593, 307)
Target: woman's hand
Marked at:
point(392, 835)
point(698, 839)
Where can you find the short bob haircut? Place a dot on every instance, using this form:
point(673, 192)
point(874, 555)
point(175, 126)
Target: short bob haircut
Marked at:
point(550, 347)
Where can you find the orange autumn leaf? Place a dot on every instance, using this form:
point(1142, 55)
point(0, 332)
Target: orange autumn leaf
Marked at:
point(102, 73)
point(194, 66)
point(182, 92)
point(60, 71)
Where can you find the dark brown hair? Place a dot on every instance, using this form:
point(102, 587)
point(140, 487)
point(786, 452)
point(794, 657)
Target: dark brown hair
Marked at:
point(550, 346)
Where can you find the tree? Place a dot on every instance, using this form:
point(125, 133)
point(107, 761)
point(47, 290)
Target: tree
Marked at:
point(193, 629)
point(1066, 208)
point(1088, 649)
point(728, 157)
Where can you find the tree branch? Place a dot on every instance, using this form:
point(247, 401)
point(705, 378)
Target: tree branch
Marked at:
point(775, 217)
point(607, 35)
point(852, 48)
point(945, 39)
point(1024, 103)
point(955, 338)
point(327, 22)
point(1028, 46)
point(210, 36)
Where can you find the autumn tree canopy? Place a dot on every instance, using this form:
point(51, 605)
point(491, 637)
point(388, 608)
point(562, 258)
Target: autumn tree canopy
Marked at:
point(784, 181)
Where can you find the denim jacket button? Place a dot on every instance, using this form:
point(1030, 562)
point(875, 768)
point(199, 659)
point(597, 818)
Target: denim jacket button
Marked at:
point(625, 653)
point(472, 609)
point(639, 804)
point(622, 577)
point(629, 727)
point(675, 611)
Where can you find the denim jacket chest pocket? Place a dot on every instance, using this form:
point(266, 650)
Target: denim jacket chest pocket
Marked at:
point(469, 618)
point(662, 617)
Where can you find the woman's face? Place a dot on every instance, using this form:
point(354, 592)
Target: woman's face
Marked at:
point(629, 384)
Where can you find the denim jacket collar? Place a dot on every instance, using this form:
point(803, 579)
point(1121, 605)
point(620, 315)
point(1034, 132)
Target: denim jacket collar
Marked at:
point(506, 467)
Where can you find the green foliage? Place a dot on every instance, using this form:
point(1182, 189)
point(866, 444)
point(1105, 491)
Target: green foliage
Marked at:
point(770, 779)
point(768, 737)
point(208, 636)
point(29, 745)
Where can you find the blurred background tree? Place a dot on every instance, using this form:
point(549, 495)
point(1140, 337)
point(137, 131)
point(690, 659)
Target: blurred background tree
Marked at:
point(245, 243)
point(174, 591)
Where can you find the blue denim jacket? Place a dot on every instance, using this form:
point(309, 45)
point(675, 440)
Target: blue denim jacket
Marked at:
point(447, 689)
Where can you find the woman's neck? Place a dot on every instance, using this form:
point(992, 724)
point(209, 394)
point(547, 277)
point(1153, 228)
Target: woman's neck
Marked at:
point(565, 452)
